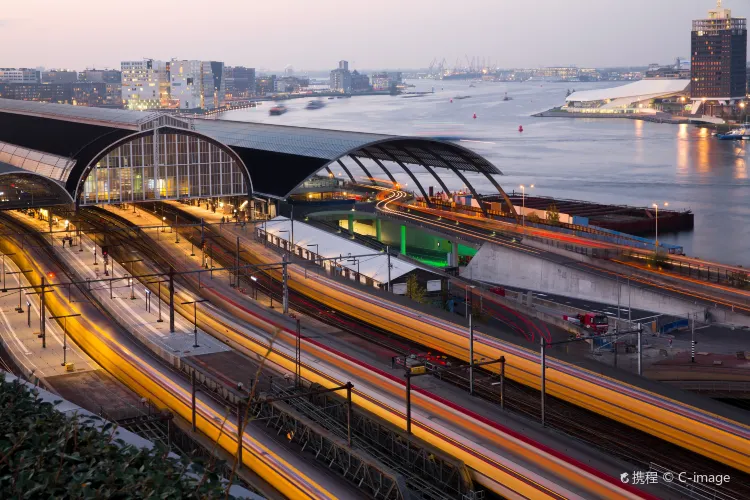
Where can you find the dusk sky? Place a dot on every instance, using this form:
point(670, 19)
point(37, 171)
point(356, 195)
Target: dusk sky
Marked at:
point(386, 34)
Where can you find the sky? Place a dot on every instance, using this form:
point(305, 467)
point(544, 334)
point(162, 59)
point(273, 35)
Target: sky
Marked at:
point(314, 35)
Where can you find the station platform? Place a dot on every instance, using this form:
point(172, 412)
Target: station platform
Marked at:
point(20, 335)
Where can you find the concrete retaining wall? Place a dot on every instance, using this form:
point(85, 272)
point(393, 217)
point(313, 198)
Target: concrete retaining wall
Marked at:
point(501, 265)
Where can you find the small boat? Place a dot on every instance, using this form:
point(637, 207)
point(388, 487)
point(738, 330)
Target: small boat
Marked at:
point(277, 110)
point(506, 98)
point(462, 97)
point(331, 98)
point(316, 104)
point(737, 134)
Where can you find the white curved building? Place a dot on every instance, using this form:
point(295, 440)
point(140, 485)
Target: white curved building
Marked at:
point(636, 97)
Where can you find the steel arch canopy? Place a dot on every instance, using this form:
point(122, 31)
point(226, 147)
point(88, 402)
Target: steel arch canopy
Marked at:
point(64, 143)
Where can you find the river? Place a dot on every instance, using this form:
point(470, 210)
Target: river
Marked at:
point(618, 161)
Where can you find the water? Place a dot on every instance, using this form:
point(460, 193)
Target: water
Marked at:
point(605, 160)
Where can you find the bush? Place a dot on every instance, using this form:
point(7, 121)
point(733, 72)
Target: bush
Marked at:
point(553, 215)
point(413, 290)
point(46, 454)
point(533, 217)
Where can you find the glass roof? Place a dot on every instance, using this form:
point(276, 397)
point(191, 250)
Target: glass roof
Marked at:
point(316, 143)
point(333, 144)
point(119, 118)
point(22, 189)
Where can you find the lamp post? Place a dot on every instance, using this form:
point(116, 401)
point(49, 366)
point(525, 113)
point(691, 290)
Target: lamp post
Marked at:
point(176, 233)
point(19, 308)
point(285, 231)
point(65, 336)
point(5, 289)
point(656, 206)
point(163, 223)
point(523, 203)
point(195, 318)
point(317, 250)
point(131, 262)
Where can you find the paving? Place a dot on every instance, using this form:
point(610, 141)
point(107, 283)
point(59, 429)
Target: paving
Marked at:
point(133, 311)
point(20, 335)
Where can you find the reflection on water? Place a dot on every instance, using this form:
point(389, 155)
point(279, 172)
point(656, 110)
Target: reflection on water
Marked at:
point(740, 163)
point(605, 160)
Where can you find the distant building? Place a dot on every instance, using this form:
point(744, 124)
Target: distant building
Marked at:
point(719, 58)
point(669, 72)
point(384, 80)
point(20, 75)
point(360, 82)
point(265, 84)
point(145, 84)
point(100, 76)
point(59, 76)
point(197, 84)
point(240, 81)
point(641, 97)
point(341, 78)
point(290, 84)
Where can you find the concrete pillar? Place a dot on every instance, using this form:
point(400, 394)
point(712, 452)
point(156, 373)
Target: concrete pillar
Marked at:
point(403, 239)
point(378, 230)
point(454, 254)
point(351, 225)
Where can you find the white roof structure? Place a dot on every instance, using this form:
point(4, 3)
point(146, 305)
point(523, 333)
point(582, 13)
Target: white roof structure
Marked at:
point(631, 92)
point(330, 246)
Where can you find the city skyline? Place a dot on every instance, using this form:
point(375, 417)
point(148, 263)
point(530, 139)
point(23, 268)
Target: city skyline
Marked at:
point(579, 32)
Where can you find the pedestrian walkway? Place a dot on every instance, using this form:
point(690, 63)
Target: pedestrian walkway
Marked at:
point(19, 331)
point(131, 304)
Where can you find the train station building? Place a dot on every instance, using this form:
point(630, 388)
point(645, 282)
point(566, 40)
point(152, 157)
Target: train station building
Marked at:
point(59, 154)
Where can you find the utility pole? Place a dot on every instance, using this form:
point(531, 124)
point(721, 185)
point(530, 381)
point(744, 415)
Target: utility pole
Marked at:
point(171, 300)
point(298, 357)
point(285, 274)
point(640, 350)
point(543, 378)
point(388, 253)
point(42, 322)
point(237, 273)
point(471, 357)
point(692, 338)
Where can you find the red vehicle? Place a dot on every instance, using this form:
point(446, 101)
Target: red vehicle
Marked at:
point(597, 323)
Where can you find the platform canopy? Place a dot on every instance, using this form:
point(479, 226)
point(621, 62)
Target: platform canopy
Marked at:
point(23, 189)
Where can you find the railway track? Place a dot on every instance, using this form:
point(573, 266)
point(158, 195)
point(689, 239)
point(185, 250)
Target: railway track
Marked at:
point(605, 434)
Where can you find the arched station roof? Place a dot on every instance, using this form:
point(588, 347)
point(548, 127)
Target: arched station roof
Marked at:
point(23, 189)
point(65, 141)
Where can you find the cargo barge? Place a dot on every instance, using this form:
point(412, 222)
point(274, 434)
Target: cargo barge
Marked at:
point(622, 218)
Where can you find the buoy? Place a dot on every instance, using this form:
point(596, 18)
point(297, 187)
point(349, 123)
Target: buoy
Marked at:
point(520, 128)
point(451, 100)
point(475, 116)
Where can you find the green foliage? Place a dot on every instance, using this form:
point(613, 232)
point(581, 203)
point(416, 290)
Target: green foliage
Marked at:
point(413, 290)
point(659, 260)
point(533, 217)
point(553, 215)
point(46, 454)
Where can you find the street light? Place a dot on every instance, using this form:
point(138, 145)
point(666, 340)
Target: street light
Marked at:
point(656, 206)
point(317, 249)
point(65, 336)
point(19, 308)
point(195, 318)
point(163, 220)
point(523, 202)
point(131, 262)
point(9, 255)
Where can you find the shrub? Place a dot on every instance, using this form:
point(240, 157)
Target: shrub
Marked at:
point(46, 454)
